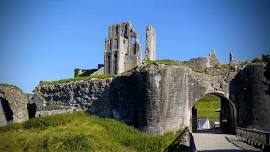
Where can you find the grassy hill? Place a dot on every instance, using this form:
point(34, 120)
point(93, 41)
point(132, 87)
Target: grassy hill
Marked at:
point(79, 132)
point(206, 106)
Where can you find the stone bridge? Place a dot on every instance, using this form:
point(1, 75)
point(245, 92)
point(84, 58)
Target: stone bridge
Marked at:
point(158, 98)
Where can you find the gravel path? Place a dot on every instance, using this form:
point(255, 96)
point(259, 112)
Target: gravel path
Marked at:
point(220, 142)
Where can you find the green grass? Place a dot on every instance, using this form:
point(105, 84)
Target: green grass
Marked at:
point(206, 106)
point(79, 132)
point(99, 76)
point(166, 62)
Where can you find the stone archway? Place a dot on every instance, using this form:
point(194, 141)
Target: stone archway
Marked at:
point(228, 115)
point(6, 113)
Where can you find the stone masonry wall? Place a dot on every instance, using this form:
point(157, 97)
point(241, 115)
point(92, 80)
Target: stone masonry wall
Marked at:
point(158, 98)
point(78, 94)
point(17, 101)
point(249, 91)
point(155, 98)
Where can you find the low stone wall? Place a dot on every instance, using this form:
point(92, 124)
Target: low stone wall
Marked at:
point(75, 94)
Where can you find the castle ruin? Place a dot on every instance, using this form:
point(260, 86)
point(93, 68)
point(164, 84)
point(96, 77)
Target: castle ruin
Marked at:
point(122, 49)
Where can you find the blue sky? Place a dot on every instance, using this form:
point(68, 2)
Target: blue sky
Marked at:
point(47, 39)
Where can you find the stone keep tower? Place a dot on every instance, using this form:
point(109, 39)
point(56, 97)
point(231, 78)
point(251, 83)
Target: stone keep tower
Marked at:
point(122, 49)
point(150, 47)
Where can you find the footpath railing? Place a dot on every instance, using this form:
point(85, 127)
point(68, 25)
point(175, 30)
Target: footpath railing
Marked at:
point(254, 137)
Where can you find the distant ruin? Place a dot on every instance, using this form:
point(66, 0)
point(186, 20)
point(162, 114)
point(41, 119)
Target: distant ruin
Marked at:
point(204, 62)
point(122, 50)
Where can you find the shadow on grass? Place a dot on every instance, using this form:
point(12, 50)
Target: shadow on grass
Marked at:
point(177, 145)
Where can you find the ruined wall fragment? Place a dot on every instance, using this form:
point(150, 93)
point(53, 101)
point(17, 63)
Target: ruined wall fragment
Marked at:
point(150, 47)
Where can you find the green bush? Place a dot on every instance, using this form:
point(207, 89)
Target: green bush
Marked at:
point(77, 72)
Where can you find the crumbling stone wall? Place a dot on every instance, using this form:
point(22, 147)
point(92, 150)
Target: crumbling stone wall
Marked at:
point(203, 62)
point(16, 100)
point(157, 98)
point(75, 94)
point(249, 92)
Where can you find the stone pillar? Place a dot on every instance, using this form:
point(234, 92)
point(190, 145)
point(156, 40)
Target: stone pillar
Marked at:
point(150, 47)
point(231, 57)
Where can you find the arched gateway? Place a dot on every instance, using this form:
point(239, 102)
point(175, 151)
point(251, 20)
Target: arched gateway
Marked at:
point(158, 98)
point(227, 117)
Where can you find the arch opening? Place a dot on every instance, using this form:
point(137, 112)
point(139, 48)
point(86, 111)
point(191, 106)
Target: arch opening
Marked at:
point(7, 111)
point(213, 113)
point(32, 109)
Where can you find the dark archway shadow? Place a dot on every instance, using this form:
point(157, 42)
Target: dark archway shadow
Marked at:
point(32, 109)
point(7, 110)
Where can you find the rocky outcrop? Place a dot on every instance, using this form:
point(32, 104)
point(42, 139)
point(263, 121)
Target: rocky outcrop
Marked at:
point(13, 106)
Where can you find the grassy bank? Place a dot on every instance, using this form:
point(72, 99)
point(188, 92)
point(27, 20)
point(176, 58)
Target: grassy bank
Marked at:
point(78, 132)
point(98, 76)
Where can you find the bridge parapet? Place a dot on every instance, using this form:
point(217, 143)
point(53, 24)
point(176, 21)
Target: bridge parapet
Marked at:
point(254, 137)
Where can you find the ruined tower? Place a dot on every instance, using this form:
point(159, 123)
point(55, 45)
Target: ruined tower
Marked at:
point(122, 49)
point(150, 47)
point(212, 59)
